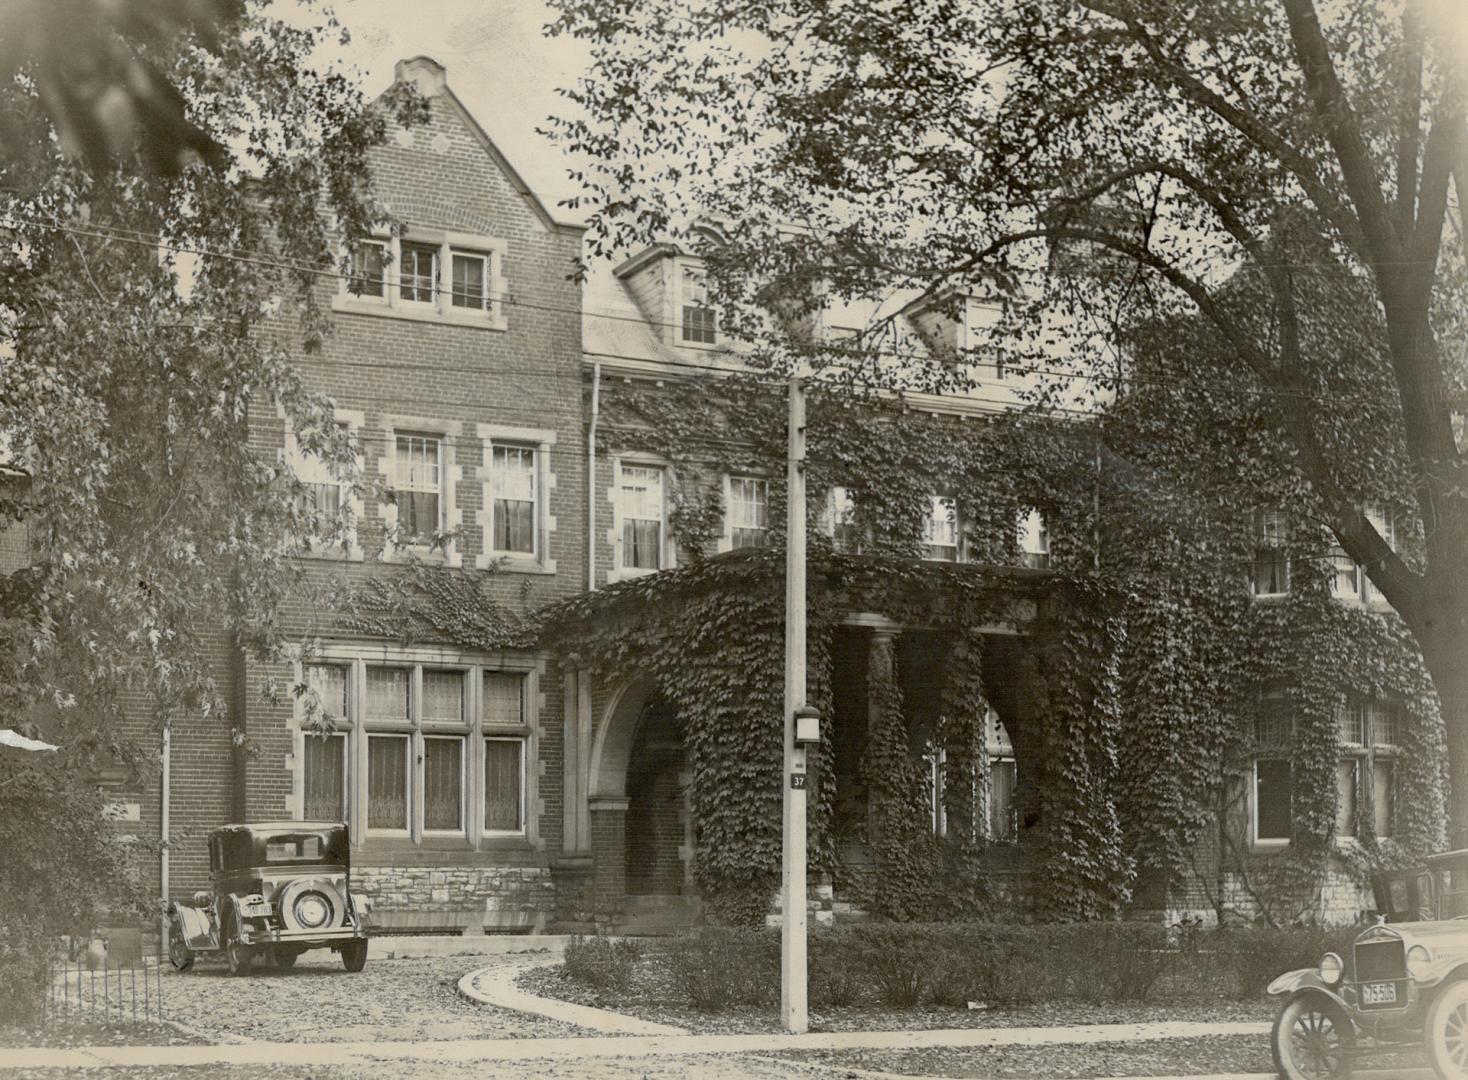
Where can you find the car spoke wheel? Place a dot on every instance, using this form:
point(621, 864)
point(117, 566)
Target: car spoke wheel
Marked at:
point(178, 950)
point(1313, 1039)
point(1446, 1031)
point(354, 954)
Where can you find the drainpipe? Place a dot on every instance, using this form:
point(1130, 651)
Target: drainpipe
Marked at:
point(163, 838)
point(591, 478)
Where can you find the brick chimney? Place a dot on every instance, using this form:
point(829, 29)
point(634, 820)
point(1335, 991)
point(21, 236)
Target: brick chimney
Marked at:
point(426, 73)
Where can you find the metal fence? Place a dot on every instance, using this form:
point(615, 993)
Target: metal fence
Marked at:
point(111, 993)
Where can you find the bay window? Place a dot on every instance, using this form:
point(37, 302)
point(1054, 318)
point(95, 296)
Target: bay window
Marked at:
point(424, 752)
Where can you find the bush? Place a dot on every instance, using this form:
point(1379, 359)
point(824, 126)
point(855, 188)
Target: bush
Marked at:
point(904, 964)
point(719, 966)
point(602, 962)
point(63, 872)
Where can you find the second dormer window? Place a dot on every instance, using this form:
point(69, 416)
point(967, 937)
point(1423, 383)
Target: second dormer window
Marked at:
point(699, 322)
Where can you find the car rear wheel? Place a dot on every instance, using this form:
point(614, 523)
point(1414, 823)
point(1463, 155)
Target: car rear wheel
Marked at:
point(178, 950)
point(1446, 1031)
point(354, 954)
point(1313, 1039)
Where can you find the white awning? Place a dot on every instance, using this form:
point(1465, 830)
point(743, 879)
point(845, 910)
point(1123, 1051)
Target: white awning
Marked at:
point(20, 742)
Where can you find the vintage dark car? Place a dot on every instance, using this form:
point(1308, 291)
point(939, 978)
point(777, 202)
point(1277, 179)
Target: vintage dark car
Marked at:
point(1404, 984)
point(279, 888)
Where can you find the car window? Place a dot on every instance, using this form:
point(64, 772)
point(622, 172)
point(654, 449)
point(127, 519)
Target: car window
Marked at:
point(1399, 894)
point(294, 849)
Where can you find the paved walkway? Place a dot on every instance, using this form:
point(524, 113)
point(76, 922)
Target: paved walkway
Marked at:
point(266, 1053)
point(495, 985)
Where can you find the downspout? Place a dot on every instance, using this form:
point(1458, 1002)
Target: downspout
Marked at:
point(163, 837)
point(591, 478)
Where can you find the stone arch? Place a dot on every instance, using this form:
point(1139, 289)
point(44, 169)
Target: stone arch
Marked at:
point(611, 746)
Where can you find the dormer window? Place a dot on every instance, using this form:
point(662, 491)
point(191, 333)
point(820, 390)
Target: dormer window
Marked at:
point(699, 321)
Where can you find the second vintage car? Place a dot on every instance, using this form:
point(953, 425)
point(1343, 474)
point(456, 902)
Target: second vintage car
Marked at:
point(279, 888)
point(1403, 985)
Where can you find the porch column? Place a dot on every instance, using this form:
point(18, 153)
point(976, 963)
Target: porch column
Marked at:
point(576, 763)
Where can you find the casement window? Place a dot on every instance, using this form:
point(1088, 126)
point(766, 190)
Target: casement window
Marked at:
point(514, 509)
point(433, 276)
point(841, 516)
point(998, 813)
point(326, 777)
point(1003, 779)
point(749, 512)
point(1034, 540)
point(940, 530)
point(425, 754)
point(418, 486)
point(418, 273)
point(504, 753)
point(1370, 737)
point(642, 510)
point(1271, 569)
point(699, 321)
point(1273, 777)
point(367, 270)
point(1349, 580)
point(471, 270)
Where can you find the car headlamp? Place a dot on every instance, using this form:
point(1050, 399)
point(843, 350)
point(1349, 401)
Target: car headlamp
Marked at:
point(1418, 959)
point(1331, 968)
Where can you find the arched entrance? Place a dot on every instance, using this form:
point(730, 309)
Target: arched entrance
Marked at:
point(641, 820)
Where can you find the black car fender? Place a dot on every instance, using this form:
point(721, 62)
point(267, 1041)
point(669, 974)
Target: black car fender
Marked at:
point(1293, 984)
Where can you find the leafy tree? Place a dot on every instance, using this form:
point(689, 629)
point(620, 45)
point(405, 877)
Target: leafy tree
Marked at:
point(153, 318)
point(1280, 175)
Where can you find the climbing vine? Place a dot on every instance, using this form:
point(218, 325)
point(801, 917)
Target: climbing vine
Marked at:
point(1151, 669)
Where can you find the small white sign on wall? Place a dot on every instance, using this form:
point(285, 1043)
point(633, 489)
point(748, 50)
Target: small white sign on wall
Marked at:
point(122, 811)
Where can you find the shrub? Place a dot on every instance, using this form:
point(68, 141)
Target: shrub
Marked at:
point(63, 872)
point(719, 966)
point(603, 962)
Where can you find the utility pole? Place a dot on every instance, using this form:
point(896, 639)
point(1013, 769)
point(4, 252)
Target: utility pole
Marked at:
point(793, 1013)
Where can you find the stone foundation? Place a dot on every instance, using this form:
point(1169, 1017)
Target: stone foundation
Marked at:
point(468, 898)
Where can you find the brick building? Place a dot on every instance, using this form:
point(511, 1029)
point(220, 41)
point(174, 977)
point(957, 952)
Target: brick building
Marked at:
point(510, 789)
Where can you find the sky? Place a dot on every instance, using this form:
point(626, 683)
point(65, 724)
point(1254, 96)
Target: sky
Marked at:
point(499, 63)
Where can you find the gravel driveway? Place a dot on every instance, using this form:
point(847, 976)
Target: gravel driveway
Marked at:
point(316, 1001)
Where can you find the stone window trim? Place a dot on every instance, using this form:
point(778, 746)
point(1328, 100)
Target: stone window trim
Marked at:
point(726, 539)
point(668, 550)
point(440, 310)
point(474, 730)
point(448, 432)
point(349, 550)
point(542, 441)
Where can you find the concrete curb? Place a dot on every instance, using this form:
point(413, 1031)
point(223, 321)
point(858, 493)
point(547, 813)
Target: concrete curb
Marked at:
point(495, 985)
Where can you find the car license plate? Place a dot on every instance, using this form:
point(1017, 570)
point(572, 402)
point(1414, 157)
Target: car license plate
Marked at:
point(1379, 993)
point(253, 910)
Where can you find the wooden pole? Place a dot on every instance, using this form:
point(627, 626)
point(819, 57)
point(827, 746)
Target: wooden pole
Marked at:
point(793, 1009)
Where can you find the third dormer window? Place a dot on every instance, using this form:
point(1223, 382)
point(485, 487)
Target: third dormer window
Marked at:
point(699, 321)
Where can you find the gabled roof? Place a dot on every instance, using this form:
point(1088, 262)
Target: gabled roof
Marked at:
point(431, 78)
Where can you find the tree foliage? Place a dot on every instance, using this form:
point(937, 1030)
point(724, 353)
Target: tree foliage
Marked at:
point(1279, 176)
point(153, 318)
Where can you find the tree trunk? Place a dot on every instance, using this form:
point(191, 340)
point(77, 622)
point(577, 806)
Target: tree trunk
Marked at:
point(1445, 651)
